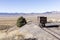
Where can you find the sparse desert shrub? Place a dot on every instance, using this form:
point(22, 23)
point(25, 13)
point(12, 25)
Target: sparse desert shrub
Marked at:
point(21, 21)
point(15, 37)
point(3, 27)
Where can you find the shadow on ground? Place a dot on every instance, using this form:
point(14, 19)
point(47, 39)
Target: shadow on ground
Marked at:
point(51, 26)
point(31, 39)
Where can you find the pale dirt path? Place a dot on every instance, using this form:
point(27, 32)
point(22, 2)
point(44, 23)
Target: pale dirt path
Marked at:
point(34, 31)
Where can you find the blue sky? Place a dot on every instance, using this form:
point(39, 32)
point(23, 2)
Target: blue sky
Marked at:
point(29, 6)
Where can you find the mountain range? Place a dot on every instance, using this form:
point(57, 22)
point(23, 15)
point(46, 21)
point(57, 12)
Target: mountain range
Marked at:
point(53, 12)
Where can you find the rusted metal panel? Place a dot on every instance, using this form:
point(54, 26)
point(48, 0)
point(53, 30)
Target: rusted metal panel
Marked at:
point(43, 19)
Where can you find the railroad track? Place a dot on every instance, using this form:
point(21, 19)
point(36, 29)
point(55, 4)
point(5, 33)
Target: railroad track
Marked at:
point(56, 35)
point(54, 31)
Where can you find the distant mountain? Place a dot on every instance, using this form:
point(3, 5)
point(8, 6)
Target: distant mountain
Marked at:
point(53, 12)
point(12, 13)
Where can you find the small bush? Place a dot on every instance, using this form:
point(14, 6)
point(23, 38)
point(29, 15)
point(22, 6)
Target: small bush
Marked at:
point(21, 22)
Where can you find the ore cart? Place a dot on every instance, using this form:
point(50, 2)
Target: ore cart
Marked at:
point(42, 21)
